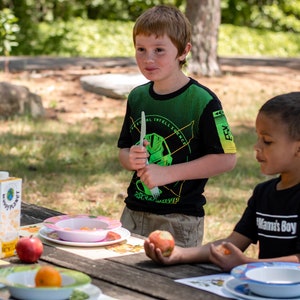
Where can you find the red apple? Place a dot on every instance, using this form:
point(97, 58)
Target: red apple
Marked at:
point(163, 240)
point(29, 249)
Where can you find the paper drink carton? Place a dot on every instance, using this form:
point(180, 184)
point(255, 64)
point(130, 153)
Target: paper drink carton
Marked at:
point(10, 213)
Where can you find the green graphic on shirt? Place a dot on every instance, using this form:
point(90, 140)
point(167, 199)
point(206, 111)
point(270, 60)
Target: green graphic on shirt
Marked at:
point(224, 132)
point(143, 188)
point(159, 151)
point(161, 154)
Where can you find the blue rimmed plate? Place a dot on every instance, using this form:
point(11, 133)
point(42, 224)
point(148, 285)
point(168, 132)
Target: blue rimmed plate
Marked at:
point(270, 279)
point(241, 290)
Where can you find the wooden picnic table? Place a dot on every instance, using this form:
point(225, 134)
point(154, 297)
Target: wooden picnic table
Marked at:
point(132, 276)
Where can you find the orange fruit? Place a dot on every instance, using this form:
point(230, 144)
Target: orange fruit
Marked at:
point(47, 276)
point(222, 249)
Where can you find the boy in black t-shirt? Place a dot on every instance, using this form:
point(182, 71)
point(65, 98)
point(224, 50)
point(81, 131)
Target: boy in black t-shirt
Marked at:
point(272, 216)
point(187, 136)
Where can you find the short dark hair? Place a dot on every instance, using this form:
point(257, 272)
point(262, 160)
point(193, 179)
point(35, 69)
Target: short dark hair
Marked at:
point(286, 107)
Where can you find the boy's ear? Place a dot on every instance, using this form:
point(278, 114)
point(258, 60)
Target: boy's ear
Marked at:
point(185, 52)
point(298, 149)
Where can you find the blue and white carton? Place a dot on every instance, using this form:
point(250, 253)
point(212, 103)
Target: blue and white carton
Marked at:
point(10, 213)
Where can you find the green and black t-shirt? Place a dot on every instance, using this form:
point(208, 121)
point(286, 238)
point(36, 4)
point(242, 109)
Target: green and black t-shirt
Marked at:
point(181, 127)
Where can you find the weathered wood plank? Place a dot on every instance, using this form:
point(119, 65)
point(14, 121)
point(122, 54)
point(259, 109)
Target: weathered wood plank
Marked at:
point(118, 292)
point(135, 279)
point(31, 213)
point(140, 261)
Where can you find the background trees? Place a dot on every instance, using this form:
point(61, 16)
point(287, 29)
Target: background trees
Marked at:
point(205, 17)
point(272, 14)
point(64, 16)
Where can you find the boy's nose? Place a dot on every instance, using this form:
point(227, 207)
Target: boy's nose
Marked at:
point(256, 147)
point(149, 57)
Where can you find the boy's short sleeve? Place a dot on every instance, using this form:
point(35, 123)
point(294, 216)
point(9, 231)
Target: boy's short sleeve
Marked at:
point(247, 223)
point(214, 130)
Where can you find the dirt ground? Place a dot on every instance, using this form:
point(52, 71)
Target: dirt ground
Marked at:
point(58, 83)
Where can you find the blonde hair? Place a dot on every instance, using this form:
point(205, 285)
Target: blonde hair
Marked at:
point(164, 19)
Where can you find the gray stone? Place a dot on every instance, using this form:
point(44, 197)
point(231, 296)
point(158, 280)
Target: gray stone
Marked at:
point(18, 100)
point(116, 86)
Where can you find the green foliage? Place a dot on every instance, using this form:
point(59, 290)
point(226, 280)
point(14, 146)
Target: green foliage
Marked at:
point(234, 40)
point(276, 15)
point(28, 19)
point(8, 30)
point(273, 18)
point(104, 38)
point(85, 38)
point(86, 27)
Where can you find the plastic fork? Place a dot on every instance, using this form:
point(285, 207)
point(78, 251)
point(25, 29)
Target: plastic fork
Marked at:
point(155, 191)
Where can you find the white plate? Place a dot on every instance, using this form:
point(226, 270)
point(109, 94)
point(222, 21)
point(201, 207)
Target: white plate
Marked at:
point(93, 291)
point(241, 290)
point(273, 279)
point(240, 272)
point(82, 228)
point(50, 235)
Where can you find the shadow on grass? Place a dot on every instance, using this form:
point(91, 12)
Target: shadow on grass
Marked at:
point(54, 153)
point(54, 157)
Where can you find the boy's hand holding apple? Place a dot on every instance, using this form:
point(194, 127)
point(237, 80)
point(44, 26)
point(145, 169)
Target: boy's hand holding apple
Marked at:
point(160, 247)
point(163, 240)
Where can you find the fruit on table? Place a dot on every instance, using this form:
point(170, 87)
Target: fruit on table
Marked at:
point(222, 249)
point(29, 249)
point(112, 236)
point(163, 240)
point(47, 276)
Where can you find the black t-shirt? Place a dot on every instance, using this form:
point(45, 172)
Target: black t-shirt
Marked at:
point(181, 127)
point(272, 219)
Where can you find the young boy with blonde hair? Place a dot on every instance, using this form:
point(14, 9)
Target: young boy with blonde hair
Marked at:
point(187, 140)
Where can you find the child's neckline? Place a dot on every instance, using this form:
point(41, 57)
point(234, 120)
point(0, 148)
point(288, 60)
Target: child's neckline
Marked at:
point(167, 96)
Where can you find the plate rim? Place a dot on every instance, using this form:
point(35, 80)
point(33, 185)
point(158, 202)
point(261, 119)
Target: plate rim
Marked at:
point(95, 295)
point(52, 221)
point(126, 234)
point(239, 272)
point(80, 278)
point(238, 282)
point(98, 291)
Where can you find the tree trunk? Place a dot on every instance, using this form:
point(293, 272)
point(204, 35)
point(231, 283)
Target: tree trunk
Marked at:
point(205, 18)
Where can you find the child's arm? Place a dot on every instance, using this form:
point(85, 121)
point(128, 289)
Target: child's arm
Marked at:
point(203, 167)
point(235, 257)
point(200, 254)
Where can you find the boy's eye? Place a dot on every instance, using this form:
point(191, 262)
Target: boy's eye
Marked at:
point(140, 49)
point(267, 142)
point(159, 50)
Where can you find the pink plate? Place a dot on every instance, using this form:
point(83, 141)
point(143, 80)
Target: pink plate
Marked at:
point(82, 228)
